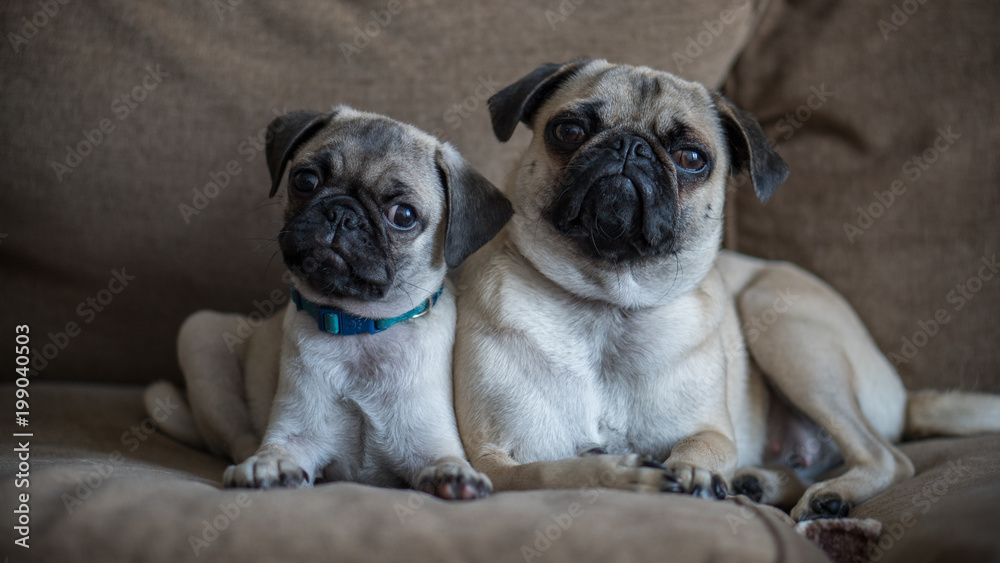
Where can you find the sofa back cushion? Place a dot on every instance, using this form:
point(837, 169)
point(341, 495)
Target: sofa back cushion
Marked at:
point(136, 187)
point(886, 113)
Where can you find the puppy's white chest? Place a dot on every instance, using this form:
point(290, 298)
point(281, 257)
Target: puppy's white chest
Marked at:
point(360, 390)
point(348, 364)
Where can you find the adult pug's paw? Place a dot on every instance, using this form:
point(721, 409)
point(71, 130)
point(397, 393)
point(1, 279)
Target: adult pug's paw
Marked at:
point(821, 505)
point(697, 481)
point(749, 485)
point(266, 470)
point(454, 480)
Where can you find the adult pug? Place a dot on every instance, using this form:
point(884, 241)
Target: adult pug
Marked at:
point(352, 381)
point(599, 335)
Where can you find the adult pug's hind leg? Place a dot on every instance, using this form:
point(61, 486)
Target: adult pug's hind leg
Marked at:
point(814, 350)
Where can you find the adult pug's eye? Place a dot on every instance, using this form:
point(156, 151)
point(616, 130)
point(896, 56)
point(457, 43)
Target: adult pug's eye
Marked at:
point(691, 160)
point(569, 133)
point(305, 181)
point(401, 216)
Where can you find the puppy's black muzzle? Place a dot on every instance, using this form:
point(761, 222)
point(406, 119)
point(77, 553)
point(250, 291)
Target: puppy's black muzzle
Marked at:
point(617, 200)
point(339, 248)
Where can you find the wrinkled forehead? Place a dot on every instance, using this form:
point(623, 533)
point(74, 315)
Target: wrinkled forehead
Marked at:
point(642, 97)
point(369, 150)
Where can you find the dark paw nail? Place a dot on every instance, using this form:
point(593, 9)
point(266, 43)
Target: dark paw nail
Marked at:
point(719, 487)
point(594, 451)
point(670, 485)
point(647, 461)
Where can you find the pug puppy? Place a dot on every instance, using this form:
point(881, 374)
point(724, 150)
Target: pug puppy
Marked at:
point(352, 381)
point(599, 334)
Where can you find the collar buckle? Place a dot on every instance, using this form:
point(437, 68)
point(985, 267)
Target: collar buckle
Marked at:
point(427, 308)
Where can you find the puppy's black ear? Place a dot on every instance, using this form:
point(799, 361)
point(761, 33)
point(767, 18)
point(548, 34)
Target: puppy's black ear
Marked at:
point(749, 149)
point(476, 208)
point(520, 100)
point(286, 134)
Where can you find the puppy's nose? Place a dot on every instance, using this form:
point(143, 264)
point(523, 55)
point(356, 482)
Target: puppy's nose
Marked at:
point(344, 218)
point(632, 146)
point(344, 213)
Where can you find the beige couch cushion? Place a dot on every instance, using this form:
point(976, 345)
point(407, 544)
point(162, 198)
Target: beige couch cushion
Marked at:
point(100, 493)
point(948, 511)
point(105, 485)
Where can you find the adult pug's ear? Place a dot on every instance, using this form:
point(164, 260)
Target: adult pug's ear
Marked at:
point(476, 208)
point(520, 100)
point(286, 134)
point(749, 149)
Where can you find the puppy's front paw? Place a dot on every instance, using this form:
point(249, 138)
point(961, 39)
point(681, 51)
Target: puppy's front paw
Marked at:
point(263, 471)
point(697, 481)
point(453, 480)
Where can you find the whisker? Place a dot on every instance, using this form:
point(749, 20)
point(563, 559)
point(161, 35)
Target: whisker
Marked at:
point(262, 247)
point(267, 268)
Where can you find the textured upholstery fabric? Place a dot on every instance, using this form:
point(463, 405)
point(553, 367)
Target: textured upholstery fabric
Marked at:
point(99, 492)
point(888, 121)
point(105, 485)
point(184, 91)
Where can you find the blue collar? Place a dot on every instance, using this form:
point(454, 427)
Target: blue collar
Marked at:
point(335, 321)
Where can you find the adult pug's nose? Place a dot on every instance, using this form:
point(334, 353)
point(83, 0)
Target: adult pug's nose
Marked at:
point(631, 146)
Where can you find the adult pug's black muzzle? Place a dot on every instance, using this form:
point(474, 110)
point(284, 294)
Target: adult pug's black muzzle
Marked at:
point(617, 200)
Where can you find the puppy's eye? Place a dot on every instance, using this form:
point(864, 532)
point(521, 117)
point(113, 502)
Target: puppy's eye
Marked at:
point(305, 181)
point(570, 133)
point(403, 217)
point(690, 160)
